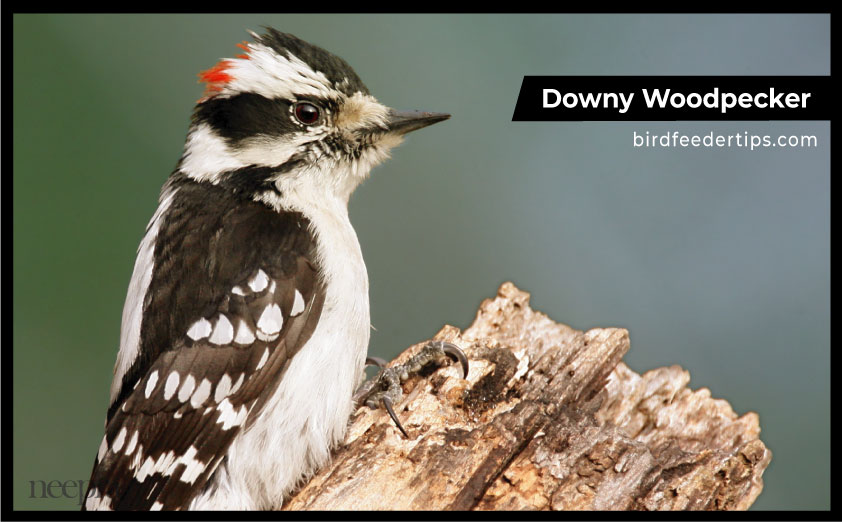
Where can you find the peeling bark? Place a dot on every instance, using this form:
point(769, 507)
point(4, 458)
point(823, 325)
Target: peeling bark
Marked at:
point(548, 418)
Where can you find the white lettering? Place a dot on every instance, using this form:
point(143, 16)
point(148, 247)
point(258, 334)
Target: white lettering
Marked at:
point(547, 104)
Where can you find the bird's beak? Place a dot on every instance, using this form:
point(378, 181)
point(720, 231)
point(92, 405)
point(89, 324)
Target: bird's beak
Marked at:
point(401, 122)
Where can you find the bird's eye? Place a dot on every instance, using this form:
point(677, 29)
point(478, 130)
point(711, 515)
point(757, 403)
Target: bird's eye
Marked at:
point(307, 113)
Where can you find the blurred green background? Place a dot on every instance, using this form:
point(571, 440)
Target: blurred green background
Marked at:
point(714, 259)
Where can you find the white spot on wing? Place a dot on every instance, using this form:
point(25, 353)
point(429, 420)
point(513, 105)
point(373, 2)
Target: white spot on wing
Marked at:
point(264, 337)
point(187, 388)
point(223, 333)
point(297, 304)
point(150, 384)
point(145, 470)
point(244, 334)
point(156, 506)
point(165, 464)
point(138, 456)
point(202, 394)
point(132, 443)
point(103, 447)
point(271, 320)
point(263, 359)
point(222, 388)
point(119, 441)
point(237, 291)
point(199, 330)
point(259, 282)
point(241, 415)
point(237, 384)
point(171, 385)
point(93, 496)
point(97, 502)
point(193, 468)
point(227, 415)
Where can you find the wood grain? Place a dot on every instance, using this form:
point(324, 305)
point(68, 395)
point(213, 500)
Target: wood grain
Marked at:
point(549, 418)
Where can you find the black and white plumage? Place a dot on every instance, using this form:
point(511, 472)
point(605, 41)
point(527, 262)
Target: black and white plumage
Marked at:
point(246, 323)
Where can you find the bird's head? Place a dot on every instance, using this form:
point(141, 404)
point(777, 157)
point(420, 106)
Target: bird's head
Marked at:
point(287, 115)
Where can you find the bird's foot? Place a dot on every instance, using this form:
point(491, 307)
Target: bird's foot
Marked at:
point(385, 387)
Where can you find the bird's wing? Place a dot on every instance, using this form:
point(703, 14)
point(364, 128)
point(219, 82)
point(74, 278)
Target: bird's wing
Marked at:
point(220, 328)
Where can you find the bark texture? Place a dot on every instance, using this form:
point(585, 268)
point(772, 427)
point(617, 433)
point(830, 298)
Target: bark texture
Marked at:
point(548, 418)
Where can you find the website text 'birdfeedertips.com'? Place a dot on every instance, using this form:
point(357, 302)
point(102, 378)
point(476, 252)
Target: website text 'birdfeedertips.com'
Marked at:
point(739, 140)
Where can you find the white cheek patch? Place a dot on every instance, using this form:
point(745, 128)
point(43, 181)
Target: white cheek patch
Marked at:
point(206, 155)
point(269, 150)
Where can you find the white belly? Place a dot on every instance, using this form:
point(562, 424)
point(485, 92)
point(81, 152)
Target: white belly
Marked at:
point(308, 413)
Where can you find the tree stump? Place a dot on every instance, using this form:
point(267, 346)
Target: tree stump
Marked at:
point(548, 418)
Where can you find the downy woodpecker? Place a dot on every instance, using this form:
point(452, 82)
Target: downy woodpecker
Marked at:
point(246, 324)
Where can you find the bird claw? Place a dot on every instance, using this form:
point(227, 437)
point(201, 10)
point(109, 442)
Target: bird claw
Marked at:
point(385, 387)
point(387, 403)
point(455, 353)
point(376, 361)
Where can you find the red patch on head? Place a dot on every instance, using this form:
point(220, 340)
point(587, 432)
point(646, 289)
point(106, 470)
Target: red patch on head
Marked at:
point(245, 47)
point(216, 77)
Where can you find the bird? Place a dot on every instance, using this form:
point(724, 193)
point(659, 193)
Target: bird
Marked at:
point(246, 322)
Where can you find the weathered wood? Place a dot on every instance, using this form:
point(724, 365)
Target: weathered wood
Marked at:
point(548, 418)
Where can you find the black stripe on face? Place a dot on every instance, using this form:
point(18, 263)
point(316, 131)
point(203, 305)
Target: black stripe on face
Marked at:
point(253, 180)
point(245, 116)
